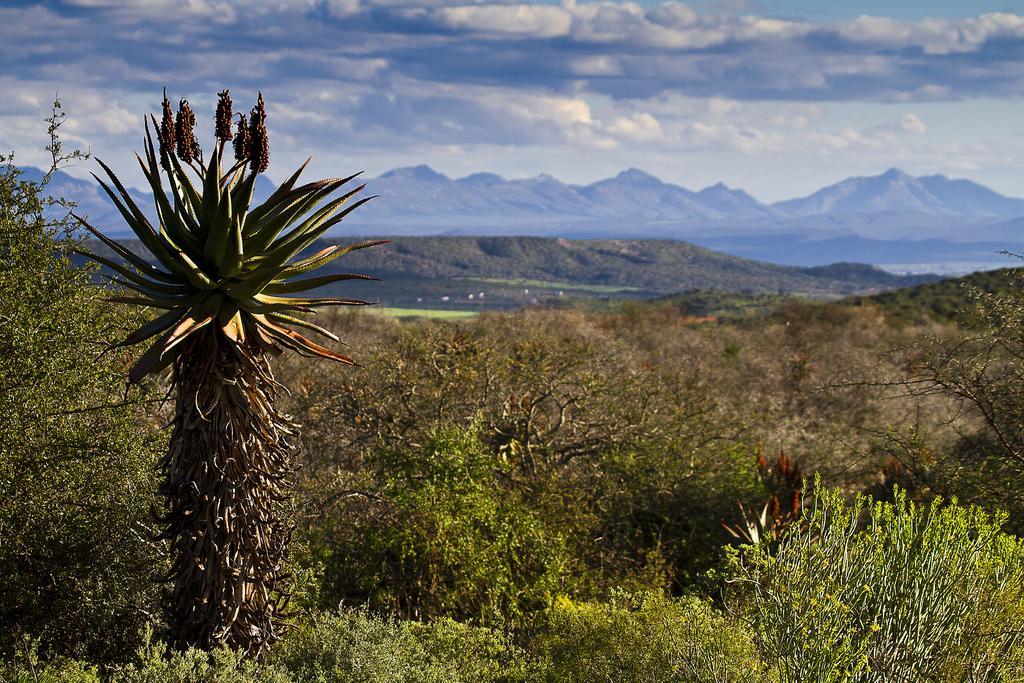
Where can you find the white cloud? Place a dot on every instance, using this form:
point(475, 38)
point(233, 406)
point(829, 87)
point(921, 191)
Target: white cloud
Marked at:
point(639, 127)
point(933, 36)
point(540, 21)
point(597, 65)
point(343, 8)
point(673, 14)
point(728, 136)
point(911, 123)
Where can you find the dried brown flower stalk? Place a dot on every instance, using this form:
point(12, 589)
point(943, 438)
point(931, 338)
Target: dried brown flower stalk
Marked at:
point(222, 127)
point(259, 140)
point(242, 139)
point(166, 134)
point(185, 132)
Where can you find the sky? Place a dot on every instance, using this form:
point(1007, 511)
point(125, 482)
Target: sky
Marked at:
point(778, 97)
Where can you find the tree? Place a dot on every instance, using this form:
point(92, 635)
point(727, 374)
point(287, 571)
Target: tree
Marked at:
point(980, 371)
point(220, 267)
point(76, 450)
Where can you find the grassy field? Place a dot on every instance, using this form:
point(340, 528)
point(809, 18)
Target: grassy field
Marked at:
point(421, 313)
point(546, 284)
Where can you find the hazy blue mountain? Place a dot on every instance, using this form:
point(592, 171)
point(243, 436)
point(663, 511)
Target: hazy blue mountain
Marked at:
point(733, 203)
point(419, 196)
point(970, 198)
point(642, 197)
point(897, 192)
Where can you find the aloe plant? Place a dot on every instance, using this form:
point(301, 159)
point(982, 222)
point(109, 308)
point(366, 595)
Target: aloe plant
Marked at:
point(218, 273)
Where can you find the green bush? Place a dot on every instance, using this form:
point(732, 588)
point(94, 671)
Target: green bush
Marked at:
point(980, 372)
point(645, 637)
point(354, 646)
point(153, 663)
point(76, 482)
point(443, 536)
point(916, 593)
point(350, 646)
point(26, 666)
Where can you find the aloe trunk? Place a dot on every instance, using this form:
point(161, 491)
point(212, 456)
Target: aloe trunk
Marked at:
point(226, 485)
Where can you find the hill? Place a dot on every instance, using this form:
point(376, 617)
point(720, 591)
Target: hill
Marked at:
point(452, 272)
point(943, 300)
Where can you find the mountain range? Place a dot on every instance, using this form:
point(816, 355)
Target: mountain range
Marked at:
point(890, 218)
point(419, 197)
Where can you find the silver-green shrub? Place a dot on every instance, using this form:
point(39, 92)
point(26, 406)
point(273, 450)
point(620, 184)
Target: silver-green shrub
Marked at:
point(877, 591)
point(355, 646)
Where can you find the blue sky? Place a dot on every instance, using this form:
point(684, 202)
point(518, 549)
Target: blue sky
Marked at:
point(775, 96)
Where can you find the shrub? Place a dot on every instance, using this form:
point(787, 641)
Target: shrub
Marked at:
point(611, 468)
point(353, 645)
point(350, 646)
point(645, 637)
point(917, 593)
point(156, 663)
point(444, 537)
point(980, 372)
point(76, 478)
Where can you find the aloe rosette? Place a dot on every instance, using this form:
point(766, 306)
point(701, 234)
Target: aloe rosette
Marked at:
point(221, 261)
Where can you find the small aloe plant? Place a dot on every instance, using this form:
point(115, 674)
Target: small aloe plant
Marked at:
point(784, 508)
point(219, 270)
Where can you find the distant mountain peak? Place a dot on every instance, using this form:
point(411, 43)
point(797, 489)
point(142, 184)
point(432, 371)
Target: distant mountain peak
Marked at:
point(421, 172)
point(894, 173)
point(897, 192)
point(481, 179)
point(729, 200)
point(637, 177)
point(720, 189)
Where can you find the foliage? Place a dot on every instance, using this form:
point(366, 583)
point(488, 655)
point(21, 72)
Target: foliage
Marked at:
point(609, 467)
point(646, 637)
point(76, 449)
point(445, 537)
point(980, 372)
point(919, 593)
point(943, 301)
point(353, 645)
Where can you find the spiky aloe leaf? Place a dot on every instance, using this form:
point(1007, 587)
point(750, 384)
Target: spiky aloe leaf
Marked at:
point(312, 283)
point(323, 257)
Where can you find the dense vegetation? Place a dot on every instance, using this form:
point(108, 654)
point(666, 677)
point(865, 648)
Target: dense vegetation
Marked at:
point(942, 300)
point(547, 494)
